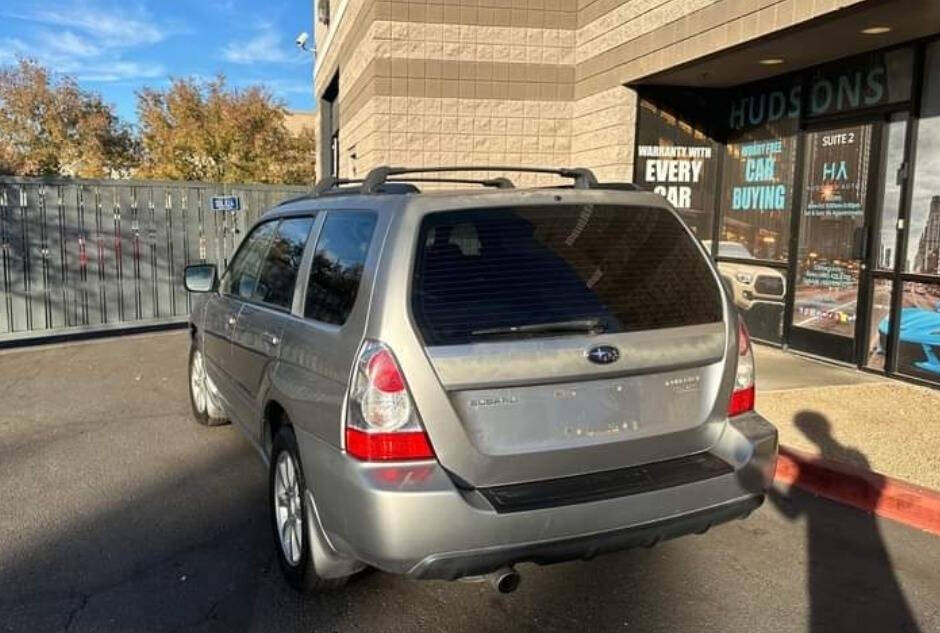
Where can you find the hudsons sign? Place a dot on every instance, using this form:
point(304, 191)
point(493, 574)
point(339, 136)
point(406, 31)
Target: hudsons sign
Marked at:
point(860, 83)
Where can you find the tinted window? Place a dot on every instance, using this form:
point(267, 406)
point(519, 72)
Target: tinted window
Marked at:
point(620, 268)
point(677, 160)
point(337, 266)
point(281, 264)
point(757, 190)
point(242, 275)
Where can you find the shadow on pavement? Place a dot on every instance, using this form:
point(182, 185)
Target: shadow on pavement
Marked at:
point(164, 559)
point(189, 547)
point(848, 562)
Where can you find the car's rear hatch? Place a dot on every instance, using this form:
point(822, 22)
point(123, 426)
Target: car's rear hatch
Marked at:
point(566, 339)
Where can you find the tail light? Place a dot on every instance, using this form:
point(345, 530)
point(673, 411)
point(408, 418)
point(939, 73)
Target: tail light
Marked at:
point(742, 398)
point(382, 422)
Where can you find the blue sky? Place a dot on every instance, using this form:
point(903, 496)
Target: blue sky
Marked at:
point(114, 47)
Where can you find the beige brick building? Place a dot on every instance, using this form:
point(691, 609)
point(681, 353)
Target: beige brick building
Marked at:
point(796, 137)
point(517, 81)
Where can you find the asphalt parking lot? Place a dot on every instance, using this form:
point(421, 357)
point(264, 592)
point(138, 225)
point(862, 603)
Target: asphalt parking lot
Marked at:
point(118, 513)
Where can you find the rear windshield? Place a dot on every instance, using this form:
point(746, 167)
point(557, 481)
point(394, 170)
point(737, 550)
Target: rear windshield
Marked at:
point(519, 272)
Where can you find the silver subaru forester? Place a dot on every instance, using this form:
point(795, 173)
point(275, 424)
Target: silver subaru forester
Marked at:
point(445, 384)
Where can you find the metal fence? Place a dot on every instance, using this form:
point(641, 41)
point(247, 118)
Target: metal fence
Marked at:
point(82, 255)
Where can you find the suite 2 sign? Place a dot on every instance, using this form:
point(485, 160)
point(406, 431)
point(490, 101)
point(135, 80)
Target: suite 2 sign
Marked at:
point(674, 171)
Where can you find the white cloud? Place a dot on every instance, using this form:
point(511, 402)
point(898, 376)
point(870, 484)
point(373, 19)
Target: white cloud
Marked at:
point(117, 25)
point(268, 46)
point(67, 43)
point(92, 41)
point(119, 71)
point(88, 67)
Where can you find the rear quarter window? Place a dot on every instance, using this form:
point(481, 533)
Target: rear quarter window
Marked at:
point(337, 266)
point(480, 272)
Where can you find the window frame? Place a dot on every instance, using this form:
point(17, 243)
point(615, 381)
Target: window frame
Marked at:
point(312, 237)
point(242, 247)
point(911, 241)
point(303, 258)
point(300, 298)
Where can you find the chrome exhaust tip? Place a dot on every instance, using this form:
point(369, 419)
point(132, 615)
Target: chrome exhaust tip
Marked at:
point(505, 580)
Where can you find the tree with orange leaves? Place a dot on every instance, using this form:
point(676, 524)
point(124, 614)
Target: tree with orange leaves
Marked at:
point(206, 130)
point(49, 126)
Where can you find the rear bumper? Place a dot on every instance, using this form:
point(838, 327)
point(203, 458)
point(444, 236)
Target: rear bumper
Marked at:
point(412, 519)
point(451, 566)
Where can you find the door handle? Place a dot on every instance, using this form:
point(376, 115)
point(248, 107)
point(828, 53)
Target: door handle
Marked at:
point(271, 339)
point(232, 320)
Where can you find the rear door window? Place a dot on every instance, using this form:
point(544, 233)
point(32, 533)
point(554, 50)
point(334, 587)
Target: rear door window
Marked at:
point(337, 266)
point(242, 275)
point(520, 272)
point(282, 263)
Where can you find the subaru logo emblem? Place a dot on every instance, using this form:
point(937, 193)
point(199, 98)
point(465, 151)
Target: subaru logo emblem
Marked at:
point(603, 354)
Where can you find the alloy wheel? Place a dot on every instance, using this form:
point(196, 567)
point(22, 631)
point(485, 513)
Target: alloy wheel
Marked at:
point(197, 382)
point(288, 508)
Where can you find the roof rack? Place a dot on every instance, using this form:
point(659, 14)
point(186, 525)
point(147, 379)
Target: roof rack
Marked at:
point(379, 179)
point(583, 178)
point(333, 186)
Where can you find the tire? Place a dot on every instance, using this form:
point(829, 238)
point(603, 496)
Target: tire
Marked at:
point(200, 402)
point(285, 480)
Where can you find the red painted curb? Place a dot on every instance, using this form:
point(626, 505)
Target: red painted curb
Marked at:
point(870, 491)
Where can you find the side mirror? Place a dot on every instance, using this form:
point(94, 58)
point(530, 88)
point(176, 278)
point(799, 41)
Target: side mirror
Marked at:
point(200, 278)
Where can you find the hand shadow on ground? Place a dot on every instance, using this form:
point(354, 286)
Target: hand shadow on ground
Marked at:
point(850, 577)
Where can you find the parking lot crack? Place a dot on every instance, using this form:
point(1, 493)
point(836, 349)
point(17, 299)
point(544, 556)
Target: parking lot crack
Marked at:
point(74, 612)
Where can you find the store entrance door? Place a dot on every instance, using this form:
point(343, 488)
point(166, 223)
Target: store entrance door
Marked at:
point(836, 211)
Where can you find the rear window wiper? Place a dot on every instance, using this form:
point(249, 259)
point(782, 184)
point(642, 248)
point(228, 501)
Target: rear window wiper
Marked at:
point(588, 326)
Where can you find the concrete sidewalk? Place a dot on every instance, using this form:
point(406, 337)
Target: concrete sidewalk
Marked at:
point(851, 417)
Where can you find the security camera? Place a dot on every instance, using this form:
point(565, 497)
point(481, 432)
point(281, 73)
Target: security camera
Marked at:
point(301, 40)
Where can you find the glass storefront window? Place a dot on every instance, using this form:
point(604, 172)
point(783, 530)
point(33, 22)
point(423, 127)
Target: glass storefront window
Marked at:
point(923, 247)
point(758, 190)
point(919, 336)
point(759, 165)
point(679, 162)
point(758, 293)
point(832, 211)
point(843, 126)
point(886, 237)
point(879, 323)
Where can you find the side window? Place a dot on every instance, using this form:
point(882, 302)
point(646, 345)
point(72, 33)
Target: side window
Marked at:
point(242, 275)
point(337, 266)
point(279, 271)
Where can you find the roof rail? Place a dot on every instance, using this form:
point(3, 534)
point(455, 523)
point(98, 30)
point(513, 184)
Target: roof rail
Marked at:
point(499, 183)
point(583, 178)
